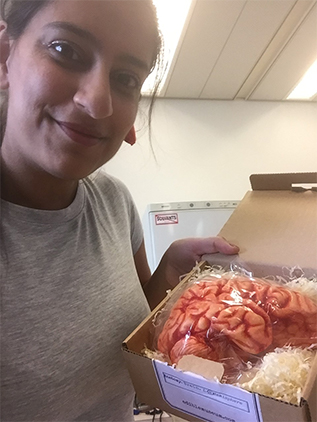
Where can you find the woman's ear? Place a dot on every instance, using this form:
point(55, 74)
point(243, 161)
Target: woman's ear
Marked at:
point(131, 136)
point(4, 55)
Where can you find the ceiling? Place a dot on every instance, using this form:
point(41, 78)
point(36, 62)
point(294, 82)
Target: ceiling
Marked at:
point(243, 49)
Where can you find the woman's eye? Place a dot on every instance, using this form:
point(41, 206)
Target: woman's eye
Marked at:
point(127, 81)
point(66, 54)
point(64, 49)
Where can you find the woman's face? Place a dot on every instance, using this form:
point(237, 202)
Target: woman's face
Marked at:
point(74, 79)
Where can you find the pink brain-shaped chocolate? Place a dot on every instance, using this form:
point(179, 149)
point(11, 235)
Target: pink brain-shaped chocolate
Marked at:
point(249, 313)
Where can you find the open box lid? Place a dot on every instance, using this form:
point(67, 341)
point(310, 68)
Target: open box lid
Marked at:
point(275, 226)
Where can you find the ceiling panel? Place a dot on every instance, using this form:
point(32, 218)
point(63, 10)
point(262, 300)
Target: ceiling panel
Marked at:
point(243, 49)
point(254, 30)
point(274, 49)
point(204, 40)
point(294, 60)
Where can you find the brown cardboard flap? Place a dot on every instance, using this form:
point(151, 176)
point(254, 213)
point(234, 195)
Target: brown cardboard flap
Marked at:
point(141, 337)
point(276, 231)
point(312, 401)
point(283, 181)
point(310, 391)
point(278, 411)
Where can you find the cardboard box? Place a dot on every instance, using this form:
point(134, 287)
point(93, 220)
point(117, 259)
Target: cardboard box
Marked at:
point(275, 226)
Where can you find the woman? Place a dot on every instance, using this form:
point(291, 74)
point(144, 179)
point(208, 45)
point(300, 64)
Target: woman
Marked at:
point(73, 256)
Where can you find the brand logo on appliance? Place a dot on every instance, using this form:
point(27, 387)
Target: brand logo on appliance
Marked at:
point(166, 219)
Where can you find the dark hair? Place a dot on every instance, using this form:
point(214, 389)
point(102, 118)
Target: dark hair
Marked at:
point(18, 14)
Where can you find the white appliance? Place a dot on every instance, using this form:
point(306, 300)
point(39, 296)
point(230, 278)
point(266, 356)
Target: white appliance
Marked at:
point(171, 221)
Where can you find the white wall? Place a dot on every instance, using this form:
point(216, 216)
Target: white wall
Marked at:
point(206, 150)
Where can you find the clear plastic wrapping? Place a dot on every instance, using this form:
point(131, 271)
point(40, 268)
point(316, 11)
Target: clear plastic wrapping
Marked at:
point(236, 319)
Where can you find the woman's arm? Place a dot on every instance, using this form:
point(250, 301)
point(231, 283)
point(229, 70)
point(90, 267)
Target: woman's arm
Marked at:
point(178, 260)
point(154, 286)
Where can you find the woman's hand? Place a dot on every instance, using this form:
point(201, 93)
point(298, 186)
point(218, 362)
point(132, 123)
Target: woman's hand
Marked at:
point(183, 254)
point(178, 260)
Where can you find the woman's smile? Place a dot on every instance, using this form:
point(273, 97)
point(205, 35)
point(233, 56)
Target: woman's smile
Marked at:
point(81, 134)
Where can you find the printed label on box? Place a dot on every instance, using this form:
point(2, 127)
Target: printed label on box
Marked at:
point(166, 219)
point(207, 400)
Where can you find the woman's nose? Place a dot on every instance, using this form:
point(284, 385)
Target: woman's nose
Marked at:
point(94, 94)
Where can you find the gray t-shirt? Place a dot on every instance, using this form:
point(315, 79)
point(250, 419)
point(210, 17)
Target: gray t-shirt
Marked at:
point(70, 295)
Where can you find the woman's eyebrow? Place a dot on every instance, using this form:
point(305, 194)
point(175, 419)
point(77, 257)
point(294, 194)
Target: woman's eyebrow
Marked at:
point(129, 58)
point(75, 30)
